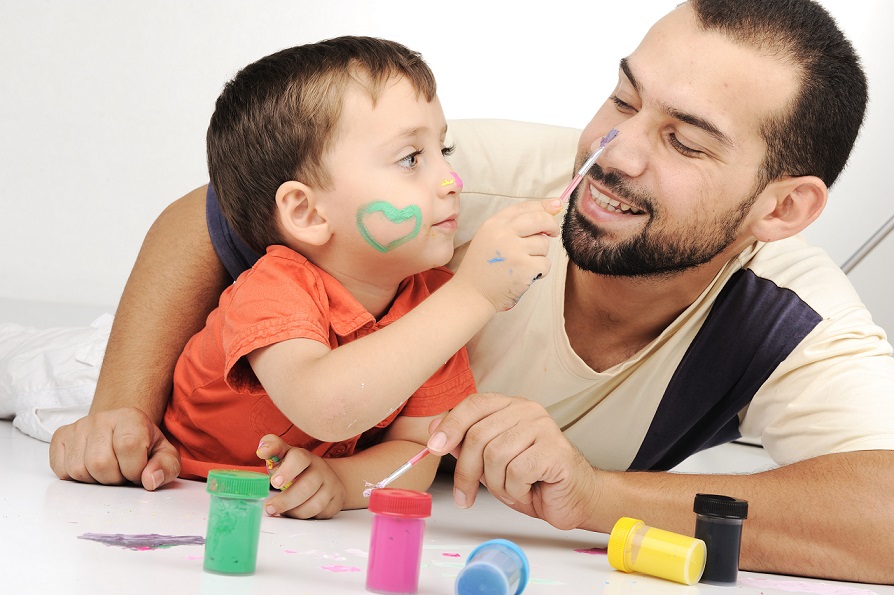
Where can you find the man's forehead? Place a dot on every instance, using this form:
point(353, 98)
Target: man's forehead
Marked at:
point(706, 78)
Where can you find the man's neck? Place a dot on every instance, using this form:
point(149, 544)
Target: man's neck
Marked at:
point(610, 319)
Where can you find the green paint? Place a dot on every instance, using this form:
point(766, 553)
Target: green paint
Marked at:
point(394, 215)
point(234, 520)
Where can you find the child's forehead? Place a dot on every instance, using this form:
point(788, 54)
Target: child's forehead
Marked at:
point(396, 109)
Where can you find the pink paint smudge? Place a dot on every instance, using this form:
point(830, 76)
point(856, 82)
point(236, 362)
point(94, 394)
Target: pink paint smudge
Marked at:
point(803, 586)
point(452, 555)
point(340, 568)
point(593, 551)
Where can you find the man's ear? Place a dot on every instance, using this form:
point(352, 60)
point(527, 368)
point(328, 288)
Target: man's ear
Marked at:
point(299, 215)
point(787, 206)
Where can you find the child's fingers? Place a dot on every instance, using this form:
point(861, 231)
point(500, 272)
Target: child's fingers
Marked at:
point(322, 504)
point(283, 473)
point(298, 493)
point(272, 449)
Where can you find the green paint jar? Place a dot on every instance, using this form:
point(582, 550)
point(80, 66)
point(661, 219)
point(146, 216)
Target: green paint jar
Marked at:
point(234, 520)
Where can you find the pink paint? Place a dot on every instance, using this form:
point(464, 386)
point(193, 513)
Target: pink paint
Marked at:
point(395, 546)
point(593, 551)
point(340, 568)
point(452, 555)
point(802, 586)
point(457, 180)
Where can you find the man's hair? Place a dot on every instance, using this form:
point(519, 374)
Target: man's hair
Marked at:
point(275, 120)
point(816, 133)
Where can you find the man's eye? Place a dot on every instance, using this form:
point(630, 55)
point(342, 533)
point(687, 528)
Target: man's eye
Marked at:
point(621, 104)
point(410, 161)
point(683, 149)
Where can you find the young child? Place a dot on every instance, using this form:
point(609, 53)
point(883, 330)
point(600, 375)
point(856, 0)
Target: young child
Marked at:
point(335, 350)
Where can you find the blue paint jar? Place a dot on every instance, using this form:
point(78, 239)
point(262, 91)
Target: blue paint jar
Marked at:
point(496, 567)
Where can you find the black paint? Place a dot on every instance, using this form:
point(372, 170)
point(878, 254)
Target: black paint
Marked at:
point(719, 524)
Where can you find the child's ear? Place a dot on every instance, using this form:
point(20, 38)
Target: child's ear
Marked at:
point(296, 206)
point(788, 206)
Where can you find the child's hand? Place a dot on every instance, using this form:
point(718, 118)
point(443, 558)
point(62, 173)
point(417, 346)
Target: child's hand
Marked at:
point(310, 488)
point(509, 252)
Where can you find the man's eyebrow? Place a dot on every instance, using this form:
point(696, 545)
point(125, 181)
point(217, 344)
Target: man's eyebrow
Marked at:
point(691, 119)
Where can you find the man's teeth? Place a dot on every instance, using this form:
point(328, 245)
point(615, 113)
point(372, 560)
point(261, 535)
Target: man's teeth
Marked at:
point(610, 204)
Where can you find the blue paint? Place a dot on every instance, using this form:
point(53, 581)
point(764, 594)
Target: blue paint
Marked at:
point(496, 259)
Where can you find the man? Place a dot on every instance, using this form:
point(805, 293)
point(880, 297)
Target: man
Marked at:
point(682, 312)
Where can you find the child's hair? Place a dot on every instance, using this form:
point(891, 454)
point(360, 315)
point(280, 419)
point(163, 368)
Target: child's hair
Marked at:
point(274, 121)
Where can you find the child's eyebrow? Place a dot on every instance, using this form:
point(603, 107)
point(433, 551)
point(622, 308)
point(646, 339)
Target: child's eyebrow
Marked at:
point(682, 116)
point(409, 133)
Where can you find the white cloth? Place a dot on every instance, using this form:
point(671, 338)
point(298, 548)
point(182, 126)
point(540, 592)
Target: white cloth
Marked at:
point(48, 376)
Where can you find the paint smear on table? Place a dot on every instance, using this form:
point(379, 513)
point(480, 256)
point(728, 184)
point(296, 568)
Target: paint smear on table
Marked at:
point(151, 541)
point(802, 586)
point(340, 568)
point(593, 551)
point(452, 555)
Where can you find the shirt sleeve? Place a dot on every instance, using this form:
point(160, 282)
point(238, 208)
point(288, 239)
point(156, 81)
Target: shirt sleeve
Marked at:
point(264, 310)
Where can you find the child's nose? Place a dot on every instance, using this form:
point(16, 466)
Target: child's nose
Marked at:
point(455, 180)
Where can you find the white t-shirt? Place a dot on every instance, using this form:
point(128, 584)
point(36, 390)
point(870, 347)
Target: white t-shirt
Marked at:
point(833, 392)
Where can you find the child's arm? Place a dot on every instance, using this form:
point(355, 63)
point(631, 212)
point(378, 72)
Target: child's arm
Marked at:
point(335, 394)
point(320, 488)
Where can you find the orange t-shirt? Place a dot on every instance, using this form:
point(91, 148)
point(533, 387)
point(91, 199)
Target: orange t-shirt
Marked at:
point(219, 410)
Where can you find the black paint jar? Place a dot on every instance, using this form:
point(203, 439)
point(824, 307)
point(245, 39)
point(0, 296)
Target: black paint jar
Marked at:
point(719, 524)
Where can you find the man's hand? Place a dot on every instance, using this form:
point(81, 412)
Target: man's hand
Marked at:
point(517, 451)
point(114, 447)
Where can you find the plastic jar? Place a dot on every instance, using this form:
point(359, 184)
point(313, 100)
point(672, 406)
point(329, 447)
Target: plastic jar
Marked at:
point(395, 545)
point(718, 523)
point(496, 567)
point(633, 546)
point(234, 520)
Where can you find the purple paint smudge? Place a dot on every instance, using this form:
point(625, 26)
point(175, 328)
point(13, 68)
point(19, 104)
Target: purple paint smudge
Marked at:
point(151, 541)
point(593, 551)
point(340, 568)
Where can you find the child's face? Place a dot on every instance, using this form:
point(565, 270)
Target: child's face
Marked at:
point(394, 199)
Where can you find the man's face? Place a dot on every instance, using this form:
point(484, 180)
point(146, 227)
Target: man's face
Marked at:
point(674, 189)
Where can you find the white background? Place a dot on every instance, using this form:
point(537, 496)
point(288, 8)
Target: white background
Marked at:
point(104, 106)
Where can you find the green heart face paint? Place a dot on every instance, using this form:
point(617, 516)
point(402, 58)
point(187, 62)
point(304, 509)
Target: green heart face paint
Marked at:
point(383, 239)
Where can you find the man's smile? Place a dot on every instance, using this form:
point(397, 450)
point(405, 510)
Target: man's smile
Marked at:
point(611, 203)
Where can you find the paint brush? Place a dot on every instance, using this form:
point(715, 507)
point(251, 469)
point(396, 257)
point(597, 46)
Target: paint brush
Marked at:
point(588, 164)
point(397, 472)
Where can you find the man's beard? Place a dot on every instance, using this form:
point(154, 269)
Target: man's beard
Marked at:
point(658, 250)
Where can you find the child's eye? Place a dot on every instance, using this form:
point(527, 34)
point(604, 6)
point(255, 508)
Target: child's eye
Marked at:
point(448, 151)
point(410, 161)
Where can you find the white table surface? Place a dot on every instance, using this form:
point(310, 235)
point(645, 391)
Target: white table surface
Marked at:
point(41, 518)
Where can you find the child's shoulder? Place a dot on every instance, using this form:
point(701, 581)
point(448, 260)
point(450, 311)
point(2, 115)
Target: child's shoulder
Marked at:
point(436, 277)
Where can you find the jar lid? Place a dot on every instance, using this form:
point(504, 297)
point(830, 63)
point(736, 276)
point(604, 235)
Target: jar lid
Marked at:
point(402, 503)
point(241, 484)
point(617, 542)
point(720, 506)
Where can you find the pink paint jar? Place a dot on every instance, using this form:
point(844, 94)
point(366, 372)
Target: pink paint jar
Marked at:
point(395, 544)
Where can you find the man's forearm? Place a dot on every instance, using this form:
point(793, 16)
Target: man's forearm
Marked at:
point(828, 517)
point(175, 282)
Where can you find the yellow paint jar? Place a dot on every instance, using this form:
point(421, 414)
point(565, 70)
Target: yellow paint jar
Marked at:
point(633, 546)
